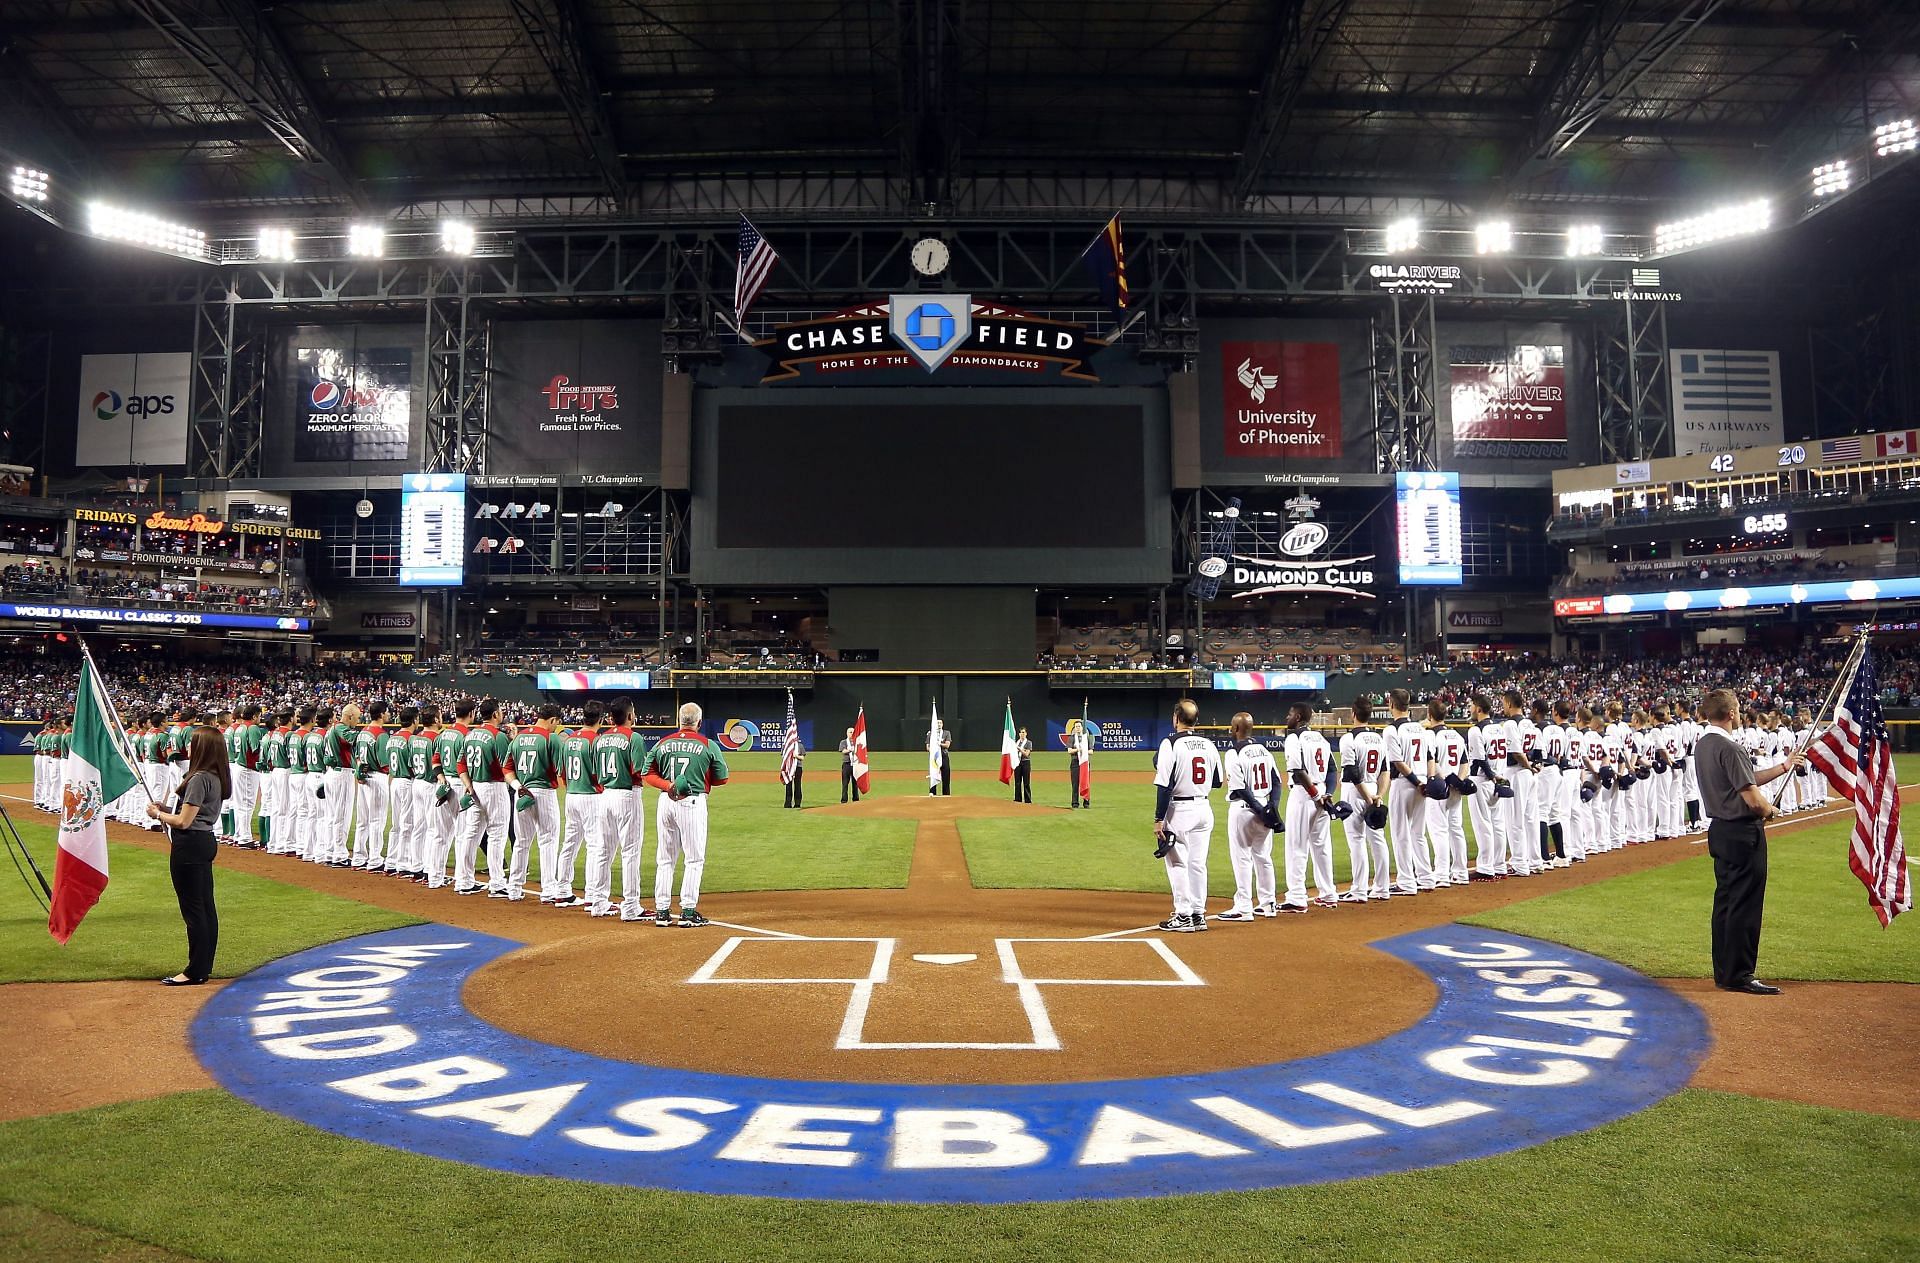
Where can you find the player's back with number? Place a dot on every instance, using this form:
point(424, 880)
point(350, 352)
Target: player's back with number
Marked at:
point(688, 761)
point(1188, 764)
point(1251, 767)
point(1308, 754)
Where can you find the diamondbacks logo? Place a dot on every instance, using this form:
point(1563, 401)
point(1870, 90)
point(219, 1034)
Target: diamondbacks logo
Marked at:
point(106, 405)
point(1256, 379)
point(930, 327)
point(81, 800)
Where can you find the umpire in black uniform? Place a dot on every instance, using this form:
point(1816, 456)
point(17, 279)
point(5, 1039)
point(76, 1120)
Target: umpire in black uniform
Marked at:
point(1737, 840)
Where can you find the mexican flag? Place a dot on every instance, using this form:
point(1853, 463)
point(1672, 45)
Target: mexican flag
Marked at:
point(933, 747)
point(95, 774)
point(1009, 747)
point(1086, 754)
point(861, 775)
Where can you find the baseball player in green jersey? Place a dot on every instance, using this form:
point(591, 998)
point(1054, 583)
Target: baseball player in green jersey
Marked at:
point(153, 762)
point(453, 815)
point(243, 758)
point(369, 769)
point(619, 756)
point(179, 734)
point(403, 859)
point(300, 800)
point(486, 769)
point(276, 794)
point(684, 767)
point(224, 827)
point(423, 778)
point(535, 754)
point(319, 737)
point(583, 806)
point(42, 765)
point(337, 735)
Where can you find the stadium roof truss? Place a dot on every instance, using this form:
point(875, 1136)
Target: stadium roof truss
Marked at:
point(568, 111)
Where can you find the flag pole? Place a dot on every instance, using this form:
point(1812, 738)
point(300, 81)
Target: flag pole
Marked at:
point(1843, 680)
point(122, 744)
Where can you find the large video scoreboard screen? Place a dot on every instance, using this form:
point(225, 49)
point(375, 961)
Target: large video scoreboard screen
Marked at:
point(433, 530)
point(899, 486)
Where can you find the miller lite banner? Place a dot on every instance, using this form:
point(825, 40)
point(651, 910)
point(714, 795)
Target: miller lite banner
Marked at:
point(575, 397)
point(349, 399)
point(133, 409)
point(954, 337)
point(1280, 399)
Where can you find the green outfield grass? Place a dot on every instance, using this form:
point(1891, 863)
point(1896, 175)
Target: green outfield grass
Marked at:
point(1818, 924)
point(135, 930)
point(1702, 1176)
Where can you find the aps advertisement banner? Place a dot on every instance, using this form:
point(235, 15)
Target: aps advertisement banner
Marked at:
point(133, 409)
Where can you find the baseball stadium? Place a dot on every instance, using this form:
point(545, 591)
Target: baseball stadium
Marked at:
point(1418, 482)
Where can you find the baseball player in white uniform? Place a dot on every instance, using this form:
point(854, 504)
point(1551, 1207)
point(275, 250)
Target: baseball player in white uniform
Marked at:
point(1409, 759)
point(1253, 801)
point(1446, 824)
point(1310, 810)
point(1185, 771)
point(1363, 777)
point(1523, 761)
point(1487, 773)
point(1555, 782)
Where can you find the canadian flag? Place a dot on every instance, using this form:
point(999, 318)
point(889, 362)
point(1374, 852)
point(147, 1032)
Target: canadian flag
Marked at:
point(1900, 443)
point(862, 775)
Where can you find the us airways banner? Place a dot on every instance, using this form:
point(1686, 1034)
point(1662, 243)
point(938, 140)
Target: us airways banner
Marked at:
point(962, 340)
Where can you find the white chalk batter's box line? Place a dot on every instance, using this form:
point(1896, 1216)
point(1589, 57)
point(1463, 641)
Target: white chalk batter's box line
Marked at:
point(852, 1036)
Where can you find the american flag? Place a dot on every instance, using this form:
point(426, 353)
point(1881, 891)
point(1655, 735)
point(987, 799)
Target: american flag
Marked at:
point(1857, 759)
point(754, 266)
point(1840, 449)
point(790, 750)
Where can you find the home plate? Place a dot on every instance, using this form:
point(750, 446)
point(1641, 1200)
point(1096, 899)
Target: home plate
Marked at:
point(945, 958)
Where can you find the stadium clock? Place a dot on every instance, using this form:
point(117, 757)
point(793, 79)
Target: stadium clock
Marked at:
point(1764, 524)
point(930, 256)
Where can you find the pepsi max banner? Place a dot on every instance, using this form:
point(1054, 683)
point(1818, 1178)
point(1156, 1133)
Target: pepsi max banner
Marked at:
point(575, 397)
point(956, 338)
point(348, 399)
point(133, 409)
point(1131, 732)
point(153, 618)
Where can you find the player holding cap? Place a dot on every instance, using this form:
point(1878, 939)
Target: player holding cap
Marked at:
point(1253, 787)
point(1185, 771)
point(1363, 776)
point(583, 808)
point(536, 808)
point(1310, 808)
point(684, 766)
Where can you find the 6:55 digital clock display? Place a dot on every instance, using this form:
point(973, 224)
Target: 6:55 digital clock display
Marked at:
point(1764, 524)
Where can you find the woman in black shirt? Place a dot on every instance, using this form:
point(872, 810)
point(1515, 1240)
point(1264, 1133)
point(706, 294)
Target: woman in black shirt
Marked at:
point(204, 790)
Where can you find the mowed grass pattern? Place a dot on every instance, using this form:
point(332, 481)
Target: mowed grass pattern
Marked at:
point(1701, 1176)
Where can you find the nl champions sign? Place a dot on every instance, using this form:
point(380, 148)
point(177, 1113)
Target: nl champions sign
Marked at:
point(1528, 1041)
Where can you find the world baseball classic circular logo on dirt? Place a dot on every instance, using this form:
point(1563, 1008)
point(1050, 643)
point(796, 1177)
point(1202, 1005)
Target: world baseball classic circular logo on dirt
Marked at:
point(1527, 1041)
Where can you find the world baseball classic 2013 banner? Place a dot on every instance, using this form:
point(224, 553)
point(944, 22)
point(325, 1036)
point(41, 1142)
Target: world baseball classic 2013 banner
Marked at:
point(1527, 1041)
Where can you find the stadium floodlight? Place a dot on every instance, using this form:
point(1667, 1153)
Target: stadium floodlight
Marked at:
point(1831, 178)
point(115, 223)
point(1403, 234)
point(1895, 137)
point(366, 241)
point(275, 243)
point(1585, 240)
point(1493, 237)
point(28, 185)
point(1741, 219)
point(457, 237)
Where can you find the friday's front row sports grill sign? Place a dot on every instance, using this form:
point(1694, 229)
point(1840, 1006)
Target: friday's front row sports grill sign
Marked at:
point(932, 332)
